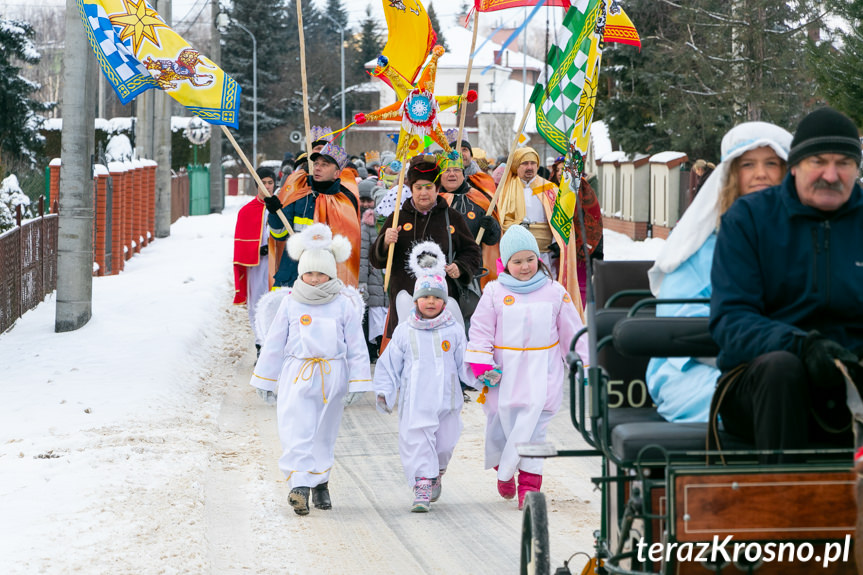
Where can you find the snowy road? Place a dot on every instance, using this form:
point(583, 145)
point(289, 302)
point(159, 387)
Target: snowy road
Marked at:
point(370, 529)
point(135, 446)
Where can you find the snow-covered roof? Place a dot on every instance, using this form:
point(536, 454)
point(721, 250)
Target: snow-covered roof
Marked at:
point(666, 157)
point(612, 157)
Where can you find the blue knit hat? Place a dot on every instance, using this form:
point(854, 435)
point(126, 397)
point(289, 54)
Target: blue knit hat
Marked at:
point(517, 239)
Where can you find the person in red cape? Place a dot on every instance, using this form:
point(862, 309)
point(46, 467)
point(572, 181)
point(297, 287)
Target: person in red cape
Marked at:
point(317, 198)
point(251, 268)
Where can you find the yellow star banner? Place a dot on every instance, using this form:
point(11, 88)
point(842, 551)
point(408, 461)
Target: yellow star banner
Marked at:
point(138, 51)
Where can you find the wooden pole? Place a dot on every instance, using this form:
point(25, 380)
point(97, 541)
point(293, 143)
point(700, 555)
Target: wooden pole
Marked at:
point(303, 76)
point(252, 171)
point(503, 179)
point(463, 103)
point(392, 247)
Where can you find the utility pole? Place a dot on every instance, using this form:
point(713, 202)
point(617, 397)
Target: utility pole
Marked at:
point(162, 147)
point(75, 242)
point(217, 195)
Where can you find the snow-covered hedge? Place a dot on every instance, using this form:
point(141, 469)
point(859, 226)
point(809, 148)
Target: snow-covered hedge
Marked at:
point(11, 196)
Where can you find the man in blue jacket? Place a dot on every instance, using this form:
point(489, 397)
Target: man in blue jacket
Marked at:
point(788, 296)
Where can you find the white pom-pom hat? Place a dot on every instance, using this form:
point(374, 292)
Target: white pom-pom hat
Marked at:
point(427, 263)
point(317, 250)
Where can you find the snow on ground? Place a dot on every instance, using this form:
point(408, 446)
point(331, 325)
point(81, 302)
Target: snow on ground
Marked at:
point(134, 445)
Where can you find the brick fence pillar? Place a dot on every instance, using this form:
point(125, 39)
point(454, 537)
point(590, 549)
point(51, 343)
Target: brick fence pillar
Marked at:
point(54, 186)
point(118, 172)
point(101, 175)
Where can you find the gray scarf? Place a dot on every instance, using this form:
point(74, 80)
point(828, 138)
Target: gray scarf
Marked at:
point(316, 295)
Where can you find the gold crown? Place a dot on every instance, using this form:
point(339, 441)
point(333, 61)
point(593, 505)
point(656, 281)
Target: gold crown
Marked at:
point(372, 156)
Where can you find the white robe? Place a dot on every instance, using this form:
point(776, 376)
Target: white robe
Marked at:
point(425, 366)
point(314, 355)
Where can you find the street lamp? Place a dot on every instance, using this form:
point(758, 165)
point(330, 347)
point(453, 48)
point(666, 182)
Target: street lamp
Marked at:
point(342, 37)
point(222, 21)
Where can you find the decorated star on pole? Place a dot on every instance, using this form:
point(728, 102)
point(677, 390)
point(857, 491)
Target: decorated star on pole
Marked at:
point(417, 108)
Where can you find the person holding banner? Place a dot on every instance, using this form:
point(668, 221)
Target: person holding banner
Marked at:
point(319, 197)
point(471, 197)
point(425, 216)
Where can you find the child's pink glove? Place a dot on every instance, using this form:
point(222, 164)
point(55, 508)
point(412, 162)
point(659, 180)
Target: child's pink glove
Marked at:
point(480, 368)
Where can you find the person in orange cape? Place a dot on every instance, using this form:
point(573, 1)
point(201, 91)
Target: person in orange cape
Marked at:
point(471, 197)
point(251, 269)
point(528, 200)
point(320, 197)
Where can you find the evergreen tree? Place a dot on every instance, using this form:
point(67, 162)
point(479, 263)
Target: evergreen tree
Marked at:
point(705, 66)
point(435, 25)
point(369, 44)
point(20, 119)
point(268, 20)
point(836, 61)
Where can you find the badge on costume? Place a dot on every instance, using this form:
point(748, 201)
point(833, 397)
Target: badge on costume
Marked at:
point(508, 300)
point(445, 345)
point(566, 298)
point(306, 319)
point(408, 227)
point(452, 229)
point(471, 215)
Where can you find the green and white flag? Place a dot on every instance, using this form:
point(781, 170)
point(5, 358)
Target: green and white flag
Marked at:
point(569, 58)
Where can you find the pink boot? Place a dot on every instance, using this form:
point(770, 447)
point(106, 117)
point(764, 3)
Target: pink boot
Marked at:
point(527, 482)
point(506, 488)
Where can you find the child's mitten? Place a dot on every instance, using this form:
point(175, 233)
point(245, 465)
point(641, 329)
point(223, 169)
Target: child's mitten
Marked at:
point(491, 378)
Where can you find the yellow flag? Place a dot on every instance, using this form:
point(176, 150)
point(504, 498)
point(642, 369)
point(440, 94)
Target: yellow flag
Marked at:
point(411, 37)
point(138, 51)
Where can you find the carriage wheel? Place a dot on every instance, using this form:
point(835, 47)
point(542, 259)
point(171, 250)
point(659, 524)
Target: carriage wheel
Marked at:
point(535, 557)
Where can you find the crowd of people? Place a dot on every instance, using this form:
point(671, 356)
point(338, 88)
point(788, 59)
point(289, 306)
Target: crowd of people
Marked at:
point(458, 310)
point(769, 239)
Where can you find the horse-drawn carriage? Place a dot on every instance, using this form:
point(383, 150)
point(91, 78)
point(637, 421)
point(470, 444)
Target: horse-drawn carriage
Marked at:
point(670, 504)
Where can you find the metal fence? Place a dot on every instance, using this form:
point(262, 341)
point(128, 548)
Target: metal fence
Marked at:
point(28, 264)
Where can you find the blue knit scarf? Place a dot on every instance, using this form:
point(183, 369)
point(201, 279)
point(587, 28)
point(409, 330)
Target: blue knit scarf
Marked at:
point(538, 280)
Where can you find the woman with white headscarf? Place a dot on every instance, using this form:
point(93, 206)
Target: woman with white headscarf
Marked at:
point(753, 158)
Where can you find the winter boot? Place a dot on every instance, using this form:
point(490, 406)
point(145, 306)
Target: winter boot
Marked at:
point(527, 482)
point(321, 496)
point(299, 500)
point(422, 495)
point(436, 486)
point(506, 488)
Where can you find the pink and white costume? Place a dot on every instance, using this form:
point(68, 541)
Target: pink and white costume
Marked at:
point(528, 336)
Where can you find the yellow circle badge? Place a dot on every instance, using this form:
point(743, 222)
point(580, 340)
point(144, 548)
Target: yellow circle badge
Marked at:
point(471, 215)
point(408, 227)
point(566, 298)
point(445, 345)
point(508, 300)
point(452, 229)
point(306, 319)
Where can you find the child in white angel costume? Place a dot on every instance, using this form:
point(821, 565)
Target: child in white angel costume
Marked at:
point(313, 354)
point(423, 364)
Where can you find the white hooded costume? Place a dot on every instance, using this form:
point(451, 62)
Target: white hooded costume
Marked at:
point(423, 365)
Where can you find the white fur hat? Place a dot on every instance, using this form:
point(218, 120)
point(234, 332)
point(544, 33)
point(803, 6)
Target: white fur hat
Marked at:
point(427, 263)
point(318, 250)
